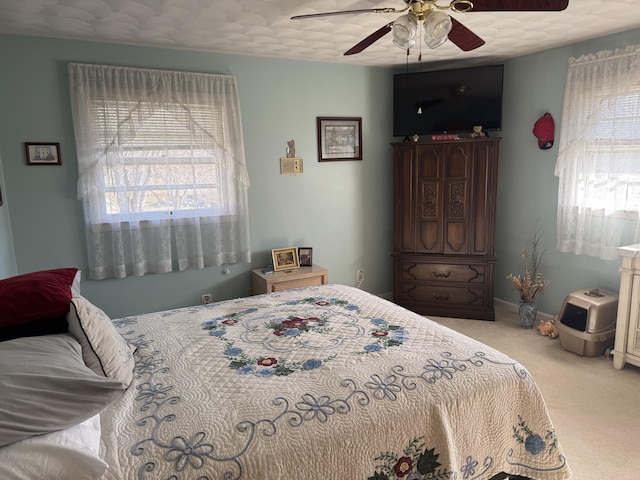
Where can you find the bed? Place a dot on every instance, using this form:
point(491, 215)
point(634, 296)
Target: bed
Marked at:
point(316, 383)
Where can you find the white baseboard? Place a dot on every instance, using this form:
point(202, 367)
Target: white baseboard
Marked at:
point(513, 307)
point(386, 295)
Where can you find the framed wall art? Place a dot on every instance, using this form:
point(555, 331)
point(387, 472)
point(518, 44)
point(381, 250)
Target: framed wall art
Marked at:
point(285, 258)
point(43, 153)
point(339, 138)
point(305, 255)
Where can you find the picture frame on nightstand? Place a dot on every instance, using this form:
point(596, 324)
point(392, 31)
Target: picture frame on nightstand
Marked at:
point(305, 255)
point(285, 258)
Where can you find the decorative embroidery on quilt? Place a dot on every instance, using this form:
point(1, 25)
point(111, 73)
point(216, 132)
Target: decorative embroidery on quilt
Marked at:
point(415, 463)
point(535, 445)
point(447, 366)
point(299, 335)
point(188, 453)
point(418, 462)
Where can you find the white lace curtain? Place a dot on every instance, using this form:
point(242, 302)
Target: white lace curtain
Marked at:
point(599, 154)
point(162, 172)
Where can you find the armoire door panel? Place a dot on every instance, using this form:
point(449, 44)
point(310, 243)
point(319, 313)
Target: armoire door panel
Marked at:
point(429, 170)
point(456, 218)
point(456, 238)
point(404, 198)
point(430, 161)
point(456, 202)
point(457, 162)
point(430, 237)
point(483, 181)
point(430, 205)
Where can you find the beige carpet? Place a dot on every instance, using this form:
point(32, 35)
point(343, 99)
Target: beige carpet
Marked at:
point(595, 408)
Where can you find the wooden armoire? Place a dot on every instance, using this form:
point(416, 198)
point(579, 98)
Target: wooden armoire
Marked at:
point(444, 226)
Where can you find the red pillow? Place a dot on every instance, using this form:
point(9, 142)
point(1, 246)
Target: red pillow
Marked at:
point(35, 296)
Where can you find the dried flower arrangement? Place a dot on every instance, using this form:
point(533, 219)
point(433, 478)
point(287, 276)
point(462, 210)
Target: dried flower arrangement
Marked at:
point(531, 282)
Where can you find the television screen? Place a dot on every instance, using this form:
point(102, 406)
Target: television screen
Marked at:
point(447, 101)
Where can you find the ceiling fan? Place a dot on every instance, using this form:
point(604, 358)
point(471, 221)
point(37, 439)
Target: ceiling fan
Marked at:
point(438, 26)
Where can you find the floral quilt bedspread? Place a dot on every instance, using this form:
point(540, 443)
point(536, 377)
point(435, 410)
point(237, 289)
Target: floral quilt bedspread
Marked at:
point(324, 382)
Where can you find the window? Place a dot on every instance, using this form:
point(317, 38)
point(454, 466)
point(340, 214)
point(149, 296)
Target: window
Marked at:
point(162, 171)
point(599, 155)
point(161, 168)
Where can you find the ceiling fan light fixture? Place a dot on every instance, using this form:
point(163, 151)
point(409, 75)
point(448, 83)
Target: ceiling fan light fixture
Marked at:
point(437, 26)
point(404, 31)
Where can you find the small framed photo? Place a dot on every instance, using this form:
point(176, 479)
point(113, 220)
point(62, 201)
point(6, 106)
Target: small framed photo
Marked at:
point(285, 258)
point(339, 138)
point(305, 255)
point(43, 153)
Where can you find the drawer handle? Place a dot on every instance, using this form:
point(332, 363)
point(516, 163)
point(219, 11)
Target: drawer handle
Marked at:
point(440, 275)
point(441, 298)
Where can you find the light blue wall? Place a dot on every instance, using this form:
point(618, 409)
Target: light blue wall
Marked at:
point(7, 255)
point(340, 209)
point(527, 186)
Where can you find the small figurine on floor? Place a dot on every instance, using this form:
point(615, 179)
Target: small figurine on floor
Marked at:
point(477, 132)
point(548, 329)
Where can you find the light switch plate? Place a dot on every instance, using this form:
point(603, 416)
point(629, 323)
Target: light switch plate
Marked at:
point(290, 166)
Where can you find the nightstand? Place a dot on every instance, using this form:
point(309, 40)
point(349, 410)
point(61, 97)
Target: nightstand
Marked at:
point(284, 279)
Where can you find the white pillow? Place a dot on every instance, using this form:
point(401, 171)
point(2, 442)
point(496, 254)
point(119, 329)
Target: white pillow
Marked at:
point(45, 386)
point(103, 349)
point(71, 453)
point(75, 286)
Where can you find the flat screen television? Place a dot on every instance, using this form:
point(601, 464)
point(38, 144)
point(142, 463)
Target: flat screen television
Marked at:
point(447, 101)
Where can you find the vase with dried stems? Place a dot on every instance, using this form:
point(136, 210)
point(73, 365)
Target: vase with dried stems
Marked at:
point(531, 281)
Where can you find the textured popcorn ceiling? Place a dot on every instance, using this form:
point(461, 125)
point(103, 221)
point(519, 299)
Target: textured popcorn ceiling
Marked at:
point(264, 27)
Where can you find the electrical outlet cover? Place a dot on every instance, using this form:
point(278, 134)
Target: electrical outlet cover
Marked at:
point(291, 166)
point(206, 298)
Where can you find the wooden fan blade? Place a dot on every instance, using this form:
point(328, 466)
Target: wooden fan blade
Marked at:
point(346, 12)
point(374, 37)
point(518, 5)
point(464, 38)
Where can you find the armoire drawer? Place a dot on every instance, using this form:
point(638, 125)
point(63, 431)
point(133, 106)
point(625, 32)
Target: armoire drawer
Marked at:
point(443, 272)
point(440, 296)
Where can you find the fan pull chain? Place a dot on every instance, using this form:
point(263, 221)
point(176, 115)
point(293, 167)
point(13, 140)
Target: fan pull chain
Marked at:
point(420, 52)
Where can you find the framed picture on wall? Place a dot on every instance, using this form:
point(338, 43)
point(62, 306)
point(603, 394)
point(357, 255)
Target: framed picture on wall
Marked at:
point(305, 255)
point(339, 138)
point(285, 258)
point(43, 153)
